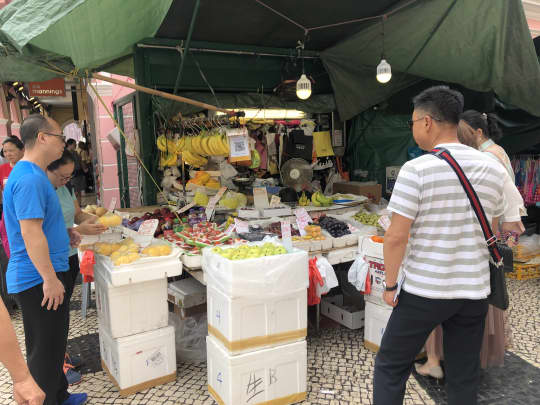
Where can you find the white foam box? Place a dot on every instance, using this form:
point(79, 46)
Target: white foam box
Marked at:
point(377, 317)
point(144, 269)
point(250, 323)
point(256, 277)
point(343, 255)
point(132, 308)
point(277, 375)
point(332, 307)
point(186, 293)
point(141, 361)
point(373, 255)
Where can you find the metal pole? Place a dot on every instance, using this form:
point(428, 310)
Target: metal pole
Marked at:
point(186, 49)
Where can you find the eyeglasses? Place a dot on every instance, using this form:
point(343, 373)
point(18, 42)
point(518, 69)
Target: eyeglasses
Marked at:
point(61, 136)
point(411, 122)
point(63, 179)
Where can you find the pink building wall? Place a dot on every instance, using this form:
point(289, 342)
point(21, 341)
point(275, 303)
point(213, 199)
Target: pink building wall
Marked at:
point(106, 154)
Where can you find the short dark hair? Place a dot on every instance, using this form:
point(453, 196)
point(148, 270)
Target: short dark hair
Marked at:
point(441, 103)
point(70, 142)
point(67, 157)
point(31, 126)
point(486, 122)
point(13, 140)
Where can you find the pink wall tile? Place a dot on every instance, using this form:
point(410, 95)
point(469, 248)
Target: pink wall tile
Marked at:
point(110, 177)
point(108, 153)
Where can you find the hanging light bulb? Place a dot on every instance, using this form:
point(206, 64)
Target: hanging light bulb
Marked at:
point(384, 71)
point(303, 87)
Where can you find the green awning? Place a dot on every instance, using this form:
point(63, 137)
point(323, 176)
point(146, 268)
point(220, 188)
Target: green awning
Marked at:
point(484, 45)
point(38, 35)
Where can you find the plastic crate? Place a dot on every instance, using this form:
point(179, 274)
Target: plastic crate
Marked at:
point(525, 271)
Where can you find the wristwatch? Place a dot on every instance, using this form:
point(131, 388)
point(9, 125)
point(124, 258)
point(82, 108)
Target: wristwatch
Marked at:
point(386, 288)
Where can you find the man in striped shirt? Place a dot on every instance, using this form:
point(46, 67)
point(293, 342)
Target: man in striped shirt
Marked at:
point(447, 268)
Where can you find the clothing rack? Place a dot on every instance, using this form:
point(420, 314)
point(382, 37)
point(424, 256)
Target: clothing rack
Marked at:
point(527, 173)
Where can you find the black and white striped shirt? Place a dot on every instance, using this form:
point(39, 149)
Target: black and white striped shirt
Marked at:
point(448, 256)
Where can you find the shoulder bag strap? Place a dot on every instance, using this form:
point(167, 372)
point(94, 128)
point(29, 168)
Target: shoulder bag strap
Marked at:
point(491, 239)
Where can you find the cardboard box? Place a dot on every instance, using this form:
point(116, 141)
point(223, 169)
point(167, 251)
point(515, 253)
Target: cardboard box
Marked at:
point(372, 191)
point(333, 308)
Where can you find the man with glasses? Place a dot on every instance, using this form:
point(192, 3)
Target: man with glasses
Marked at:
point(447, 267)
point(39, 244)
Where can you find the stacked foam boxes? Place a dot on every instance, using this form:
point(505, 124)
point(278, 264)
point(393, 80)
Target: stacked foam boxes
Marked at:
point(137, 345)
point(257, 325)
point(377, 312)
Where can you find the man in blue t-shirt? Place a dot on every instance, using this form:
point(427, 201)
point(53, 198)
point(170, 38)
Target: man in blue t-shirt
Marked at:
point(39, 244)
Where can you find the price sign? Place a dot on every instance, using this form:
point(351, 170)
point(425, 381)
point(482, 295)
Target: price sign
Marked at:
point(112, 204)
point(212, 203)
point(302, 219)
point(230, 229)
point(286, 235)
point(148, 227)
point(186, 207)
point(275, 201)
point(384, 222)
point(241, 226)
point(239, 148)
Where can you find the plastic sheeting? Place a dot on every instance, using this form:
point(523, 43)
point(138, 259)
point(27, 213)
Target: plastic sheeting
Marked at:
point(80, 33)
point(483, 45)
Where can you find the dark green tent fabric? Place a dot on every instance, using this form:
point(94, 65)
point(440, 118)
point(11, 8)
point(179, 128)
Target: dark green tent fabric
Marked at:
point(483, 45)
point(322, 103)
point(377, 140)
point(77, 34)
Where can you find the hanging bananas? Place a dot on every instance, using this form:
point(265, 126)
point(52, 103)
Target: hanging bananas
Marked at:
point(193, 159)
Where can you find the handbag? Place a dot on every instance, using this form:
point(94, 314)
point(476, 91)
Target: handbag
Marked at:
point(500, 257)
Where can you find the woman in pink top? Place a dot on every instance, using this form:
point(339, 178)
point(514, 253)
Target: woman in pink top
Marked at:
point(12, 151)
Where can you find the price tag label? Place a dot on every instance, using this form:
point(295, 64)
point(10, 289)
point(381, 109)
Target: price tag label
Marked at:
point(230, 229)
point(384, 222)
point(112, 204)
point(302, 219)
point(212, 203)
point(239, 148)
point(241, 226)
point(148, 227)
point(186, 207)
point(260, 197)
point(286, 235)
point(275, 201)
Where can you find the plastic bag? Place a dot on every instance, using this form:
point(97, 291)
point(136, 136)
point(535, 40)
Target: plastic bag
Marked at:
point(190, 337)
point(328, 274)
point(358, 273)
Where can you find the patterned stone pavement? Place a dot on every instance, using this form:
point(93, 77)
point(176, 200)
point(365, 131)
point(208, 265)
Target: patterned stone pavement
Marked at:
point(339, 367)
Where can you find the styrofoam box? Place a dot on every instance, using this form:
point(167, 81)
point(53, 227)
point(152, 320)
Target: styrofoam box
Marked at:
point(238, 319)
point(332, 307)
point(342, 255)
point(132, 308)
point(326, 244)
point(145, 269)
point(257, 377)
point(377, 317)
point(192, 261)
point(373, 255)
point(139, 358)
point(262, 276)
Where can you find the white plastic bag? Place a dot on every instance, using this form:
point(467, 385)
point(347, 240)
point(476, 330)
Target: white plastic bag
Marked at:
point(190, 337)
point(358, 273)
point(328, 275)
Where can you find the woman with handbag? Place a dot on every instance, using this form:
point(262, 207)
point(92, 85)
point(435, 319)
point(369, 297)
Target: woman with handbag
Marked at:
point(480, 131)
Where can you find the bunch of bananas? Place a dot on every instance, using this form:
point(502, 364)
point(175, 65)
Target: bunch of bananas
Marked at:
point(193, 159)
point(168, 159)
point(208, 145)
point(320, 200)
point(303, 200)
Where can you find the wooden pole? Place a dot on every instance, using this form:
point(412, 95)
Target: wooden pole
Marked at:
point(160, 93)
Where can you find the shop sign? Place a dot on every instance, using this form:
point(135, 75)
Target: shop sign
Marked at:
point(48, 88)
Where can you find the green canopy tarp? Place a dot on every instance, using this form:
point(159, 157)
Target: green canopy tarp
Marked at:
point(37, 36)
point(483, 45)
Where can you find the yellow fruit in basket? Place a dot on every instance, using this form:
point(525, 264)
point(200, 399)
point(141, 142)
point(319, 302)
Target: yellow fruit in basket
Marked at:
point(123, 249)
point(152, 251)
point(132, 257)
point(109, 220)
point(100, 211)
point(133, 249)
point(115, 246)
point(127, 241)
point(164, 250)
point(120, 261)
point(116, 255)
point(103, 249)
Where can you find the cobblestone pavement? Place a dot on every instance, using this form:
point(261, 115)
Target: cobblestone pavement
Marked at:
point(339, 367)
